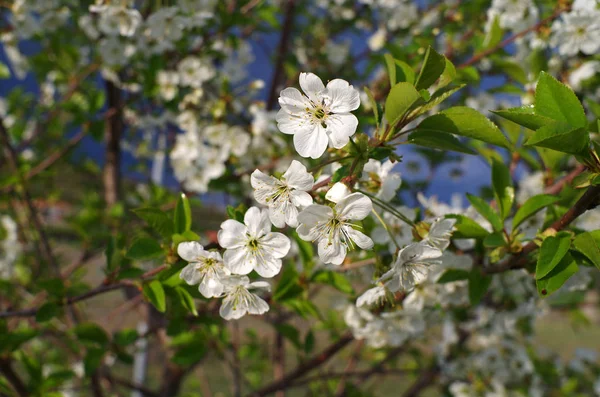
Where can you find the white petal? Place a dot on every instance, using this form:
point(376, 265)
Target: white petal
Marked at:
point(340, 127)
point(300, 198)
point(238, 261)
point(293, 123)
point(311, 143)
point(291, 99)
point(211, 287)
point(314, 214)
point(359, 238)
point(291, 216)
point(297, 177)
point(190, 274)
point(355, 206)
point(267, 266)
point(257, 221)
point(380, 235)
point(257, 305)
point(331, 252)
point(337, 192)
point(344, 97)
point(190, 251)
point(371, 296)
point(275, 244)
point(277, 216)
point(390, 186)
point(229, 311)
point(312, 86)
point(260, 285)
point(232, 234)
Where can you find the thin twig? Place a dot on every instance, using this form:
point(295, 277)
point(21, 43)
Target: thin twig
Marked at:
point(286, 30)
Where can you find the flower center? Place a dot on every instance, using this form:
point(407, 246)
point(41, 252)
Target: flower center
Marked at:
point(253, 244)
point(282, 192)
point(319, 114)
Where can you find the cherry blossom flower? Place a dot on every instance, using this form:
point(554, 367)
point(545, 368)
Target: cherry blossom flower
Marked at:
point(252, 246)
point(332, 229)
point(411, 267)
point(239, 300)
point(319, 118)
point(205, 268)
point(284, 196)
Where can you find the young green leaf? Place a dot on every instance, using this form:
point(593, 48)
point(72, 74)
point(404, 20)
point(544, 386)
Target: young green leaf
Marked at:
point(589, 245)
point(557, 101)
point(183, 215)
point(334, 279)
point(486, 211)
point(404, 72)
point(467, 227)
point(47, 312)
point(144, 248)
point(532, 206)
point(400, 99)
point(154, 292)
point(448, 75)
point(561, 137)
point(438, 97)
point(438, 140)
point(156, 219)
point(391, 68)
point(525, 116)
point(186, 300)
point(503, 189)
point(452, 275)
point(433, 67)
point(558, 276)
point(552, 251)
point(464, 121)
point(91, 333)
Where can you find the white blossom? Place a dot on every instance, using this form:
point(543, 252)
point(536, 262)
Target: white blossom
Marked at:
point(319, 118)
point(205, 268)
point(284, 196)
point(252, 246)
point(411, 267)
point(167, 84)
point(239, 301)
point(332, 229)
point(578, 30)
point(380, 178)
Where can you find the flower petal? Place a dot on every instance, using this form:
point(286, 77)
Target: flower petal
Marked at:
point(211, 287)
point(311, 143)
point(298, 177)
point(312, 86)
point(332, 252)
point(355, 206)
point(300, 198)
point(340, 127)
point(231, 311)
point(337, 192)
point(257, 221)
point(190, 274)
point(344, 97)
point(232, 234)
point(275, 244)
point(267, 266)
point(359, 238)
point(238, 260)
point(190, 251)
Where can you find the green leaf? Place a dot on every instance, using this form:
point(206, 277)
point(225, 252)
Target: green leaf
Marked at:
point(182, 221)
point(525, 116)
point(532, 206)
point(110, 253)
point(478, 285)
point(186, 300)
point(47, 312)
point(191, 353)
point(438, 97)
point(374, 106)
point(11, 341)
point(448, 75)
point(452, 275)
point(464, 121)
point(91, 333)
point(433, 67)
point(558, 276)
point(404, 72)
point(561, 137)
point(334, 279)
point(154, 292)
point(289, 332)
point(494, 35)
point(145, 248)
point(309, 342)
point(391, 68)
point(486, 211)
point(288, 287)
point(552, 251)
point(400, 99)
point(438, 140)
point(467, 227)
point(494, 240)
point(589, 245)
point(156, 219)
point(185, 236)
point(557, 101)
point(503, 189)
point(125, 337)
point(92, 360)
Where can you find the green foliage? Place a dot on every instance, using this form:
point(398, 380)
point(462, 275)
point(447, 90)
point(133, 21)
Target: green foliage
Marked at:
point(532, 206)
point(467, 227)
point(145, 248)
point(478, 285)
point(503, 188)
point(486, 211)
point(552, 251)
point(155, 293)
point(566, 268)
point(588, 244)
point(334, 279)
point(182, 221)
point(401, 98)
point(433, 67)
point(157, 220)
point(438, 140)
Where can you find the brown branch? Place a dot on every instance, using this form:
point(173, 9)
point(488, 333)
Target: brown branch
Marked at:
point(477, 57)
point(589, 200)
point(340, 390)
point(286, 30)
point(425, 380)
point(130, 385)
point(13, 161)
point(13, 378)
point(279, 360)
point(305, 367)
point(557, 187)
point(111, 173)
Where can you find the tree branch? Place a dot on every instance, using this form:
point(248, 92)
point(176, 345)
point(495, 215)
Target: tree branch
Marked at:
point(13, 378)
point(305, 367)
point(282, 51)
point(589, 200)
